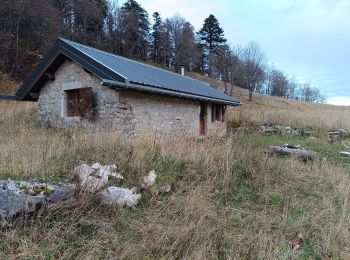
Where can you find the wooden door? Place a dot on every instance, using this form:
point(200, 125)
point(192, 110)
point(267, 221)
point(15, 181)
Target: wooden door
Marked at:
point(202, 119)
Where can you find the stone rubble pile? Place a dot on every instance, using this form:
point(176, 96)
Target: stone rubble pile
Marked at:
point(338, 135)
point(95, 178)
point(19, 199)
point(284, 130)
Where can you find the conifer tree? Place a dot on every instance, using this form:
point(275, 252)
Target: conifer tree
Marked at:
point(211, 34)
point(156, 37)
point(135, 24)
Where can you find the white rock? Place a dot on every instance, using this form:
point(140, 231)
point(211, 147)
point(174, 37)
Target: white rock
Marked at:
point(112, 167)
point(83, 171)
point(149, 179)
point(104, 171)
point(96, 166)
point(95, 177)
point(120, 196)
point(342, 131)
point(117, 175)
point(93, 184)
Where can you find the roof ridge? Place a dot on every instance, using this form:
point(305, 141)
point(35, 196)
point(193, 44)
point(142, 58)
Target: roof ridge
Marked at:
point(128, 59)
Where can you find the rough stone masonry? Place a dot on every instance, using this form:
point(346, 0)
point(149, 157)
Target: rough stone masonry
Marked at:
point(129, 112)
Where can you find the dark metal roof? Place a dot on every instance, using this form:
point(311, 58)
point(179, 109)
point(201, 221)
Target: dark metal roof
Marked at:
point(122, 73)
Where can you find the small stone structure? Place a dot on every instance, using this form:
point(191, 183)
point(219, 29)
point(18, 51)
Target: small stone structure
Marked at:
point(130, 112)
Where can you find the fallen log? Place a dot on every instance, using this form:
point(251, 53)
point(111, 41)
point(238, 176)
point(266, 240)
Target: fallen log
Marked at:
point(301, 153)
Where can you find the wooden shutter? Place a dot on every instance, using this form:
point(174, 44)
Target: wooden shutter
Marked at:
point(85, 102)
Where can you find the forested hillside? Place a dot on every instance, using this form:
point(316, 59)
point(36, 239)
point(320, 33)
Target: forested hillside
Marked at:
point(28, 28)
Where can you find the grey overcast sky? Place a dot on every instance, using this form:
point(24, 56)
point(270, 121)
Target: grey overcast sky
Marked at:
point(308, 39)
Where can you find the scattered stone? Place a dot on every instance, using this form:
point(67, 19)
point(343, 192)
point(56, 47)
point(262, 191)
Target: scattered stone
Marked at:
point(338, 135)
point(164, 189)
point(270, 128)
point(306, 132)
point(95, 177)
point(347, 154)
point(149, 180)
point(290, 146)
point(298, 242)
point(120, 196)
point(284, 130)
point(342, 132)
point(19, 198)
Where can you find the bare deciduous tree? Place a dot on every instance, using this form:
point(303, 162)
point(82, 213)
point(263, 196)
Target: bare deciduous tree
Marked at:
point(278, 83)
point(221, 62)
point(250, 73)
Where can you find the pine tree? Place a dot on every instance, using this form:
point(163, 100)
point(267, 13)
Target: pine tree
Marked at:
point(209, 37)
point(156, 37)
point(211, 34)
point(188, 54)
point(136, 30)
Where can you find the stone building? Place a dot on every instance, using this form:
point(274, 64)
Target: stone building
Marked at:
point(79, 86)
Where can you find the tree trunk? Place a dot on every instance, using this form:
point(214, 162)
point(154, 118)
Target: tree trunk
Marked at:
point(250, 95)
point(231, 89)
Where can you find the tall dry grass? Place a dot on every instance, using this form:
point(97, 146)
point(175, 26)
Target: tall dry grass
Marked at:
point(229, 200)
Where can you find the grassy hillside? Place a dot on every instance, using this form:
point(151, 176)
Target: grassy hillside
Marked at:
point(284, 111)
point(229, 199)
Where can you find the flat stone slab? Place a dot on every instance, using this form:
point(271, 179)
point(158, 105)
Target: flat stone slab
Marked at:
point(347, 154)
point(19, 198)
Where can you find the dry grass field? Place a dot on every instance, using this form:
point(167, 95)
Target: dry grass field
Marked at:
point(229, 199)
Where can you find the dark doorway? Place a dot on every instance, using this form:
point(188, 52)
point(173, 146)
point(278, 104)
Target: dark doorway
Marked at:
point(202, 119)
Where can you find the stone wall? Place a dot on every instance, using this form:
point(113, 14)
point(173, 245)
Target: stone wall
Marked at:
point(130, 112)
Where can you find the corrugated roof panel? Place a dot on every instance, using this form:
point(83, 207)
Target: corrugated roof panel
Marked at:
point(143, 74)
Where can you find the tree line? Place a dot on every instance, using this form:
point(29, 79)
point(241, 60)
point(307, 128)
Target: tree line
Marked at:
point(28, 28)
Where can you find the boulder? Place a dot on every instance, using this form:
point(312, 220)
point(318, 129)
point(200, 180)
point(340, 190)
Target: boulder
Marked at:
point(19, 198)
point(120, 196)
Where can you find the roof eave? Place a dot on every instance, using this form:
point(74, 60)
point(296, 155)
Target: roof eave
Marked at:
point(61, 47)
point(166, 92)
point(8, 98)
